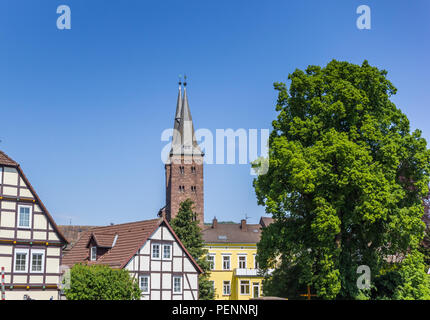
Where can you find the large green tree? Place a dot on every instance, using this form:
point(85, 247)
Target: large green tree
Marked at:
point(345, 185)
point(187, 229)
point(100, 282)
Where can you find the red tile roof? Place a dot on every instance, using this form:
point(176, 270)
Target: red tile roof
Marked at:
point(104, 239)
point(73, 233)
point(131, 237)
point(5, 160)
point(265, 221)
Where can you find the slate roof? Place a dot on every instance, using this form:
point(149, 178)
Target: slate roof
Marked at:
point(131, 237)
point(235, 232)
point(232, 233)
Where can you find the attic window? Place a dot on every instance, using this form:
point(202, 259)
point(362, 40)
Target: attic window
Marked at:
point(93, 256)
point(222, 237)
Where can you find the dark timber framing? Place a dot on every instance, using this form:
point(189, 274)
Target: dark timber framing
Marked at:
point(14, 238)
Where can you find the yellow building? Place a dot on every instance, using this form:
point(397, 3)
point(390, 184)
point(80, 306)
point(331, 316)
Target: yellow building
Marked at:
point(232, 251)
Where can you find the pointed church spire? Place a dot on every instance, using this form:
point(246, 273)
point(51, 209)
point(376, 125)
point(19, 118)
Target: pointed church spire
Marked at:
point(176, 141)
point(184, 141)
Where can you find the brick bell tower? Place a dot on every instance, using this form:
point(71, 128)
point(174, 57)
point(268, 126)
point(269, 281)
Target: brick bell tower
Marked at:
point(184, 167)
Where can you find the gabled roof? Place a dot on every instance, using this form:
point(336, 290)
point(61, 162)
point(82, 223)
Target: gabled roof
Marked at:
point(265, 221)
point(102, 239)
point(73, 233)
point(5, 160)
point(131, 237)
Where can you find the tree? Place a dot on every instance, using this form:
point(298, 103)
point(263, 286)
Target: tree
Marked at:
point(187, 229)
point(345, 185)
point(425, 244)
point(100, 282)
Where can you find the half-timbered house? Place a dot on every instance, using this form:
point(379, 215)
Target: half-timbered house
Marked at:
point(30, 241)
point(150, 250)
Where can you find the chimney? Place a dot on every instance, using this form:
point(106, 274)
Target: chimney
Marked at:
point(214, 223)
point(243, 225)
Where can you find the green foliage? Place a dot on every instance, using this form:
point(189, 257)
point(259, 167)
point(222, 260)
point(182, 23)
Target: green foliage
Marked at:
point(100, 282)
point(345, 185)
point(188, 231)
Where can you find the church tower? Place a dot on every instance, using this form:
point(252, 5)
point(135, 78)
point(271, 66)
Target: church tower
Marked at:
point(184, 168)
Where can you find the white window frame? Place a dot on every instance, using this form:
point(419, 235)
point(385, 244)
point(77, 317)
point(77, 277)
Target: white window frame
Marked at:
point(229, 261)
point(180, 284)
point(258, 285)
point(37, 251)
point(240, 288)
point(211, 255)
point(149, 284)
point(256, 266)
point(224, 283)
point(238, 260)
point(21, 251)
point(159, 251)
point(93, 250)
point(170, 251)
point(29, 216)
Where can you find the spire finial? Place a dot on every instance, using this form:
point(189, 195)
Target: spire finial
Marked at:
point(180, 79)
point(185, 80)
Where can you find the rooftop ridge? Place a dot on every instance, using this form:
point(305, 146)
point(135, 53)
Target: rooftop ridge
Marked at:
point(125, 223)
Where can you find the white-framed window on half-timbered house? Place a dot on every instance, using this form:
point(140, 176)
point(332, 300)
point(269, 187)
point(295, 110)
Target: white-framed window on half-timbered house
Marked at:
point(177, 284)
point(167, 251)
point(24, 216)
point(37, 260)
point(144, 284)
point(21, 260)
point(156, 251)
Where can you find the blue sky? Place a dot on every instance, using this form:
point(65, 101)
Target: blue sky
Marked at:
point(83, 110)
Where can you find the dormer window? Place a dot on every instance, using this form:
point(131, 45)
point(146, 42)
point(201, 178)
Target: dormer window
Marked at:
point(93, 253)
